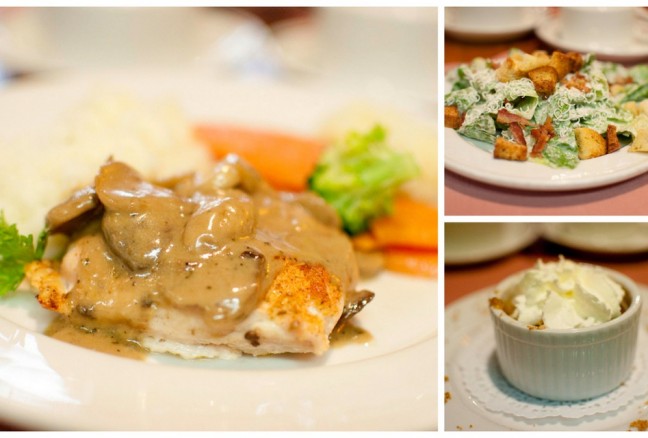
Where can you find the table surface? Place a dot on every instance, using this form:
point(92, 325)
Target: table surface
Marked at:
point(465, 197)
point(460, 281)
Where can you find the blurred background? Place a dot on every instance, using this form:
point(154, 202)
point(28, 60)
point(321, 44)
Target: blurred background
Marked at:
point(479, 255)
point(613, 33)
point(382, 51)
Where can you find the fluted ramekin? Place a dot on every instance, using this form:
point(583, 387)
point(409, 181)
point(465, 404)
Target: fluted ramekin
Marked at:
point(568, 364)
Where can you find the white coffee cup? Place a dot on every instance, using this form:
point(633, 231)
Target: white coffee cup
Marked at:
point(598, 26)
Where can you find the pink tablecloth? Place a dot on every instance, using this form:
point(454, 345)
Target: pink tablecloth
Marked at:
point(465, 197)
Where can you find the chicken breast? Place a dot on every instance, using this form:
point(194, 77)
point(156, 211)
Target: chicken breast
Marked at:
point(202, 266)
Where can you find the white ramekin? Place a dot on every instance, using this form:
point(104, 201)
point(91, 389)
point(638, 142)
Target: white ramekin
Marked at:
point(568, 364)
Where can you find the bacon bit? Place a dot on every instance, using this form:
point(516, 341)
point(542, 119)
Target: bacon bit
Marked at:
point(612, 140)
point(548, 126)
point(577, 81)
point(542, 135)
point(541, 138)
point(517, 132)
point(505, 117)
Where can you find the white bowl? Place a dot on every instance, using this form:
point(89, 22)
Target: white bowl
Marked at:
point(568, 364)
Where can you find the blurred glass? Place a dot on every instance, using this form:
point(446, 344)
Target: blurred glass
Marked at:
point(44, 39)
point(385, 51)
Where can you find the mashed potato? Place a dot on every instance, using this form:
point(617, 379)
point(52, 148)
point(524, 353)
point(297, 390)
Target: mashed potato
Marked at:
point(405, 133)
point(41, 169)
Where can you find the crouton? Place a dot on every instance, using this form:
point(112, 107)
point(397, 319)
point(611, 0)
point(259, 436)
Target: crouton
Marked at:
point(508, 150)
point(525, 62)
point(640, 143)
point(632, 107)
point(508, 71)
point(519, 64)
point(643, 106)
point(612, 140)
point(541, 55)
point(544, 80)
point(577, 61)
point(590, 143)
point(452, 117)
point(563, 64)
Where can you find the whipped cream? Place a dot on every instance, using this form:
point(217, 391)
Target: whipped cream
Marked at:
point(565, 294)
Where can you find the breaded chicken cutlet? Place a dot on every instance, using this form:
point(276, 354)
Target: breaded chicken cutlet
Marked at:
point(201, 266)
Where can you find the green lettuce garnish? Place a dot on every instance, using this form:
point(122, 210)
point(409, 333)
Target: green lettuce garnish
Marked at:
point(359, 177)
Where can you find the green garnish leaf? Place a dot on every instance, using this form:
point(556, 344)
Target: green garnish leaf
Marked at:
point(16, 251)
point(360, 176)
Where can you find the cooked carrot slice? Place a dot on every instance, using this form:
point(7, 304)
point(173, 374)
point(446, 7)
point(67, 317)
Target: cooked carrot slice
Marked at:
point(412, 225)
point(413, 262)
point(285, 161)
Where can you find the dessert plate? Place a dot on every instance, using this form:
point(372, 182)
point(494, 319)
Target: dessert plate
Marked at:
point(474, 159)
point(468, 387)
point(386, 384)
point(635, 50)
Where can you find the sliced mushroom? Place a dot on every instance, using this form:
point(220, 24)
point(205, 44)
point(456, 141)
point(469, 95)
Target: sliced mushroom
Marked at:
point(70, 215)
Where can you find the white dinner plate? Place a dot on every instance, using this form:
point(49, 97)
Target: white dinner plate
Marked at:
point(479, 242)
point(604, 238)
point(468, 330)
point(549, 31)
point(474, 159)
point(388, 384)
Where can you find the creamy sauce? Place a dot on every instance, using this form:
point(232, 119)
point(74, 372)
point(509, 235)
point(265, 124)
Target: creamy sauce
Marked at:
point(211, 245)
point(349, 333)
point(115, 341)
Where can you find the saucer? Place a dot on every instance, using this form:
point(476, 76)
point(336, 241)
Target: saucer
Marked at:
point(549, 32)
point(487, 32)
point(599, 238)
point(468, 243)
point(479, 399)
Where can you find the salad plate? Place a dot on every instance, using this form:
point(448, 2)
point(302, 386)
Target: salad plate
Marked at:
point(388, 383)
point(635, 50)
point(479, 398)
point(474, 160)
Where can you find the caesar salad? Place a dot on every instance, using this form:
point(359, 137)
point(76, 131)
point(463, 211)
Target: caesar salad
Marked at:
point(554, 109)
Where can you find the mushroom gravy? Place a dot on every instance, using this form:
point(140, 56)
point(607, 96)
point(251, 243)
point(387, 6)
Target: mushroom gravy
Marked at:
point(209, 244)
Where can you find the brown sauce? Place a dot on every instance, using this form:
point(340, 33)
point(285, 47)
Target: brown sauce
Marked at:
point(210, 246)
point(117, 342)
